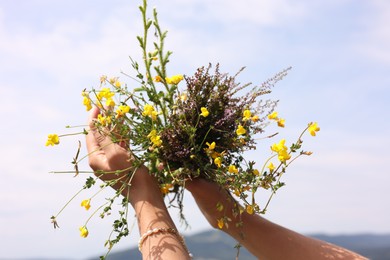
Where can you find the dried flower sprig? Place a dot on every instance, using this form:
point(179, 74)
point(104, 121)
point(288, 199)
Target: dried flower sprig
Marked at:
point(200, 130)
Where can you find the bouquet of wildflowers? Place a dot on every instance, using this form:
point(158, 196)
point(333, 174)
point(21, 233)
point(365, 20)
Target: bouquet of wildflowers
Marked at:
point(186, 127)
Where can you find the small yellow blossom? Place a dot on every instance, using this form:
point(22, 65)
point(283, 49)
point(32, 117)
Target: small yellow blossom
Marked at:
point(122, 110)
point(273, 115)
point(204, 112)
point(282, 150)
point(218, 161)
point(281, 122)
point(117, 84)
point(83, 231)
point(86, 204)
point(157, 78)
point(112, 80)
point(87, 103)
point(210, 146)
point(183, 97)
point(249, 209)
point(240, 130)
point(110, 102)
point(256, 172)
point(52, 139)
point(233, 169)
point(246, 115)
point(174, 79)
point(104, 120)
point(154, 138)
point(105, 93)
point(313, 128)
point(103, 79)
point(220, 223)
point(255, 118)
point(149, 111)
point(165, 188)
point(271, 166)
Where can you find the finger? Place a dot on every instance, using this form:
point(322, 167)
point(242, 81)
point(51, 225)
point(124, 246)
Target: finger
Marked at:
point(92, 142)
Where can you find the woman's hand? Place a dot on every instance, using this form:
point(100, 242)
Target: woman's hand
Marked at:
point(111, 159)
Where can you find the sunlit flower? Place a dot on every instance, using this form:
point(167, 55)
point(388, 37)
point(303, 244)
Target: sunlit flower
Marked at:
point(105, 93)
point(183, 97)
point(110, 102)
point(174, 79)
point(210, 146)
point(273, 115)
point(87, 103)
point(83, 231)
point(122, 110)
point(271, 166)
point(233, 169)
point(218, 161)
point(117, 84)
point(246, 115)
point(281, 122)
point(149, 111)
point(240, 130)
point(103, 79)
point(249, 209)
point(154, 138)
point(52, 139)
point(204, 112)
point(282, 150)
point(255, 118)
point(104, 120)
point(313, 128)
point(157, 78)
point(165, 188)
point(220, 223)
point(86, 204)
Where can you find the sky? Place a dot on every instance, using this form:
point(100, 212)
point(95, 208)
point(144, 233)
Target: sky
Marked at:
point(339, 50)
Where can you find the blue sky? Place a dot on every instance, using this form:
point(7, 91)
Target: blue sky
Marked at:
point(340, 54)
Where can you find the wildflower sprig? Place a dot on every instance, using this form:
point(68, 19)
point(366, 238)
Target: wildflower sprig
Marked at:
point(182, 128)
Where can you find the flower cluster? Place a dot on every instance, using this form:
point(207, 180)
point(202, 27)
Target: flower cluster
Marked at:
point(187, 127)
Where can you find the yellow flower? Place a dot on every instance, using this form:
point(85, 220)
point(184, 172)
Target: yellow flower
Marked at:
point(256, 172)
point(112, 80)
point(117, 84)
point(149, 111)
point(154, 138)
point(104, 120)
point(122, 110)
point(313, 128)
point(246, 115)
point(110, 102)
point(220, 223)
point(281, 122)
point(52, 139)
point(204, 112)
point(279, 147)
point(105, 93)
point(255, 118)
point(271, 166)
point(233, 169)
point(165, 188)
point(281, 150)
point(218, 161)
point(210, 146)
point(83, 231)
point(86, 204)
point(240, 130)
point(87, 103)
point(174, 79)
point(157, 79)
point(103, 79)
point(273, 115)
point(249, 209)
point(183, 97)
